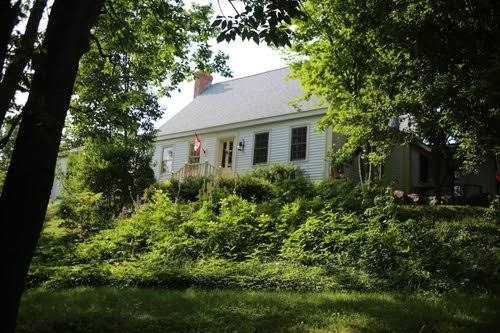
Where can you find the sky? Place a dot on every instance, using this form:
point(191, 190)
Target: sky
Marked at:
point(245, 58)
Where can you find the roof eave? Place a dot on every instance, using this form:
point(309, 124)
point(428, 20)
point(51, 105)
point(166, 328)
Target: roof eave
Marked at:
point(246, 123)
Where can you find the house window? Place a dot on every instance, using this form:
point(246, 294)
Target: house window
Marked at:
point(167, 160)
point(424, 168)
point(298, 147)
point(260, 148)
point(193, 158)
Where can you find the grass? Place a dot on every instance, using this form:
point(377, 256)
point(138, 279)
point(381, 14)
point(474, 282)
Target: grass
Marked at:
point(193, 310)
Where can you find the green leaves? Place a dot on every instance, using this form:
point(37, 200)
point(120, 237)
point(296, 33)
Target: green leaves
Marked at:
point(267, 21)
point(141, 51)
point(435, 64)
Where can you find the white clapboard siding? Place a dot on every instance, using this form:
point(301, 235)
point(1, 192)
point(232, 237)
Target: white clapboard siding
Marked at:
point(181, 154)
point(279, 147)
point(316, 151)
point(244, 158)
point(280, 143)
point(208, 145)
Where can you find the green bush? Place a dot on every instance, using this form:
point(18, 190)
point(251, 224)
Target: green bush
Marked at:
point(233, 234)
point(342, 195)
point(84, 213)
point(117, 168)
point(78, 275)
point(133, 236)
point(253, 188)
point(277, 172)
point(288, 180)
point(189, 189)
point(303, 244)
point(395, 254)
point(493, 211)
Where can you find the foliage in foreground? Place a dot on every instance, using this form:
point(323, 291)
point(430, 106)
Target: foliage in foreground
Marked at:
point(192, 310)
point(334, 235)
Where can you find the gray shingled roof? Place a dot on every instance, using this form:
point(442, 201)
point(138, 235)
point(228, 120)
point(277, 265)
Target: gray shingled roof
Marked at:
point(253, 97)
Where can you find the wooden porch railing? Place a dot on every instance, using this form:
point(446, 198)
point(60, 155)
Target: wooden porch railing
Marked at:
point(195, 170)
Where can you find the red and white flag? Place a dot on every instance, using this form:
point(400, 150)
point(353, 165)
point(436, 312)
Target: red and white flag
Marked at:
point(197, 145)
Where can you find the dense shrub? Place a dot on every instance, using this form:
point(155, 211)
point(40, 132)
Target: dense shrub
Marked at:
point(397, 254)
point(84, 213)
point(118, 168)
point(288, 180)
point(187, 190)
point(241, 233)
point(277, 172)
point(343, 195)
point(234, 233)
point(493, 211)
point(253, 188)
point(133, 236)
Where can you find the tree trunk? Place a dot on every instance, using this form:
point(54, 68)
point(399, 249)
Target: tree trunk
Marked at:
point(13, 73)
point(369, 178)
point(360, 171)
point(437, 153)
point(8, 19)
point(27, 187)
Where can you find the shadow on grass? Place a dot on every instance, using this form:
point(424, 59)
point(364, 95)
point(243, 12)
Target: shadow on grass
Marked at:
point(158, 310)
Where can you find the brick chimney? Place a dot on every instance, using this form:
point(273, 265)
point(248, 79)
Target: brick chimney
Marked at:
point(201, 83)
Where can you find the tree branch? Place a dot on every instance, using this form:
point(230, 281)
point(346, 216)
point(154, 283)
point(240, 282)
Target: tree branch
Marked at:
point(100, 49)
point(6, 138)
point(231, 3)
point(24, 53)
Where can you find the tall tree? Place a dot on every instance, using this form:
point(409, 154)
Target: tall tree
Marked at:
point(29, 179)
point(336, 59)
point(9, 16)
point(70, 28)
point(434, 63)
point(139, 54)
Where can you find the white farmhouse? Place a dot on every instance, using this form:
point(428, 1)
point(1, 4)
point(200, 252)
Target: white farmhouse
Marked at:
point(249, 122)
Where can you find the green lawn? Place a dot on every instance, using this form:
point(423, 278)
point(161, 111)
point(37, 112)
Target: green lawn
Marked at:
point(193, 310)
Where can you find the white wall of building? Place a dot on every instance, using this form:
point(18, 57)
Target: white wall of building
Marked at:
point(314, 165)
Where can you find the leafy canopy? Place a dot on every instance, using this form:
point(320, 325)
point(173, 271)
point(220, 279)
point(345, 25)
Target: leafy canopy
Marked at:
point(432, 64)
point(141, 51)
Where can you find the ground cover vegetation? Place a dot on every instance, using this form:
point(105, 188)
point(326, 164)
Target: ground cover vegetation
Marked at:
point(192, 310)
point(270, 229)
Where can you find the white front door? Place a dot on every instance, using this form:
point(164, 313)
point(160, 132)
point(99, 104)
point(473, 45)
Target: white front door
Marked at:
point(226, 156)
